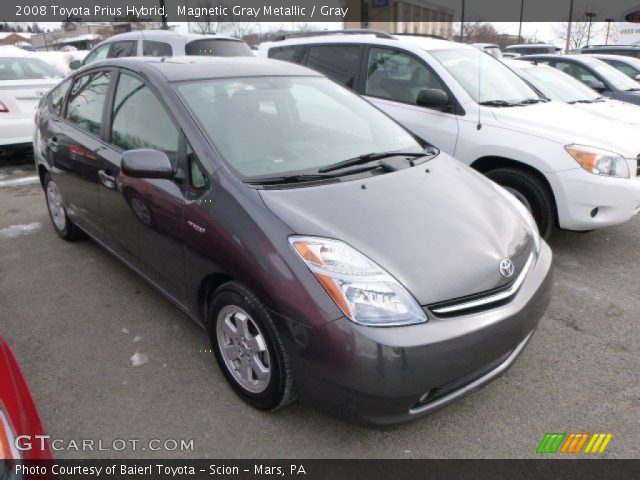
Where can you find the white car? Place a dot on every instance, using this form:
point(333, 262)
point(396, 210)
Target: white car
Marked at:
point(557, 85)
point(24, 80)
point(570, 169)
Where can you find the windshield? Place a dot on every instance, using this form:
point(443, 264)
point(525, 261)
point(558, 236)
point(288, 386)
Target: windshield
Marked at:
point(23, 68)
point(218, 48)
point(615, 78)
point(483, 77)
point(562, 86)
point(265, 126)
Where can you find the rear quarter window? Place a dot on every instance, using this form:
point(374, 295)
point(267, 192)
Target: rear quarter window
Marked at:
point(289, 53)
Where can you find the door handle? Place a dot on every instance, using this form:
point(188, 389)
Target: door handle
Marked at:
point(106, 179)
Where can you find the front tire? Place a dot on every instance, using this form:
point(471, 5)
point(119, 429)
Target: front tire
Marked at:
point(248, 348)
point(58, 212)
point(532, 193)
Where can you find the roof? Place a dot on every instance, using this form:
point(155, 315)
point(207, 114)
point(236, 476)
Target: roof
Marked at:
point(201, 67)
point(620, 58)
point(79, 38)
point(166, 34)
point(532, 45)
point(425, 43)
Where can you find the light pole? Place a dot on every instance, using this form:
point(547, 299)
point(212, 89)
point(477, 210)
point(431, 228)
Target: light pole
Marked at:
point(608, 20)
point(590, 16)
point(568, 44)
point(520, 27)
point(462, 22)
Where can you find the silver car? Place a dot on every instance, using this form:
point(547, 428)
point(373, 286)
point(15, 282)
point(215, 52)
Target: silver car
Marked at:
point(165, 43)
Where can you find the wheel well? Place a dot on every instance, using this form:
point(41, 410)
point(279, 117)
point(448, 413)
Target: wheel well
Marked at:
point(42, 171)
point(207, 286)
point(485, 164)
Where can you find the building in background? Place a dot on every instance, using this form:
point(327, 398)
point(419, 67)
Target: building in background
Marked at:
point(85, 36)
point(402, 16)
point(13, 38)
point(626, 33)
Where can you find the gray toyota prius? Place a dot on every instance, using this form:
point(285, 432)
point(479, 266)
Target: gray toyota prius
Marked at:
point(331, 255)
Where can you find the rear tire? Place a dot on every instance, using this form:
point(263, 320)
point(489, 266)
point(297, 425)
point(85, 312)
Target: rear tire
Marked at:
point(248, 348)
point(533, 194)
point(62, 224)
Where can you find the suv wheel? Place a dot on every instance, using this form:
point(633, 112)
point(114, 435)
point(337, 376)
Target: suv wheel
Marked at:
point(58, 212)
point(248, 348)
point(533, 194)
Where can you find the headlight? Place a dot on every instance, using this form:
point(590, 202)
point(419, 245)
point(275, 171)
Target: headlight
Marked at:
point(598, 161)
point(525, 213)
point(365, 293)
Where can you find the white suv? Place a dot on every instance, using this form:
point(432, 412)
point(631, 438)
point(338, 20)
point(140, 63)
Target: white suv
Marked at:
point(570, 168)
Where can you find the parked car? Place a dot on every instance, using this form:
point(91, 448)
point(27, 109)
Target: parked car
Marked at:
point(623, 50)
point(630, 66)
point(18, 416)
point(24, 80)
point(490, 48)
point(532, 49)
point(510, 55)
point(576, 173)
point(286, 247)
point(556, 85)
point(595, 74)
point(165, 43)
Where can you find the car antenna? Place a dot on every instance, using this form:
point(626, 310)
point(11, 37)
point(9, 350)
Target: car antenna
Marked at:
point(479, 126)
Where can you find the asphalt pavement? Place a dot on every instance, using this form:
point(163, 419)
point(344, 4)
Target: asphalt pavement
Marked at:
point(107, 357)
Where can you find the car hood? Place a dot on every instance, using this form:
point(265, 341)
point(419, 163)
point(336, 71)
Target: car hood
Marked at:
point(566, 124)
point(614, 110)
point(442, 233)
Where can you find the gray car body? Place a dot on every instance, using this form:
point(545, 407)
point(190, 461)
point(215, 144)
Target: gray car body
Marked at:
point(440, 228)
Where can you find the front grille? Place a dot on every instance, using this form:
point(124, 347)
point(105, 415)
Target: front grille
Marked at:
point(484, 300)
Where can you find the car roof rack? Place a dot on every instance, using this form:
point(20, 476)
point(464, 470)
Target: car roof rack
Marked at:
point(363, 31)
point(425, 35)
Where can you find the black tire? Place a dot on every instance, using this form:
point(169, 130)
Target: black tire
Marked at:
point(279, 391)
point(534, 192)
point(69, 231)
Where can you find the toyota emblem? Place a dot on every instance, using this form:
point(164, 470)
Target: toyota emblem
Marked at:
point(507, 268)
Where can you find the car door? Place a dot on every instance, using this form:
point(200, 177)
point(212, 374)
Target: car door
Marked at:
point(142, 216)
point(392, 80)
point(74, 144)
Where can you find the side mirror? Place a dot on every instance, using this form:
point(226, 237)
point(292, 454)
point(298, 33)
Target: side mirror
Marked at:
point(146, 163)
point(597, 85)
point(75, 64)
point(433, 98)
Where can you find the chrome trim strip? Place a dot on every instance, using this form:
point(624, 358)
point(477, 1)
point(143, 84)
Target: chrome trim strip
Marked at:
point(491, 298)
point(476, 383)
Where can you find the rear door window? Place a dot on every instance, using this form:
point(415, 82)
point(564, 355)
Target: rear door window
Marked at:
point(126, 48)
point(86, 101)
point(56, 97)
point(140, 120)
point(577, 71)
point(338, 62)
point(156, 49)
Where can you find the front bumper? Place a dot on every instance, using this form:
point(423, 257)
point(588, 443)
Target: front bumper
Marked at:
point(377, 376)
point(591, 201)
point(16, 130)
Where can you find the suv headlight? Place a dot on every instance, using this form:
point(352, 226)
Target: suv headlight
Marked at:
point(363, 290)
point(525, 213)
point(598, 161)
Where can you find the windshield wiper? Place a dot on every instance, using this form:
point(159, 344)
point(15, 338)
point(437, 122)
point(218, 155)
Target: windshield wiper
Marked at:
point(497, 103)
point(297, 178)
point(531, 101)
point(632, 90)
point(370, 157)
point(572, 102)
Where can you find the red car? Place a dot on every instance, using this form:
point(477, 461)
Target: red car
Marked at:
point(18, 415)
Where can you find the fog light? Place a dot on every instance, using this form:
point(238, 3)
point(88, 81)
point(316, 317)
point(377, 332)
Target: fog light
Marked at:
point(594, 212)
point(424, 397)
